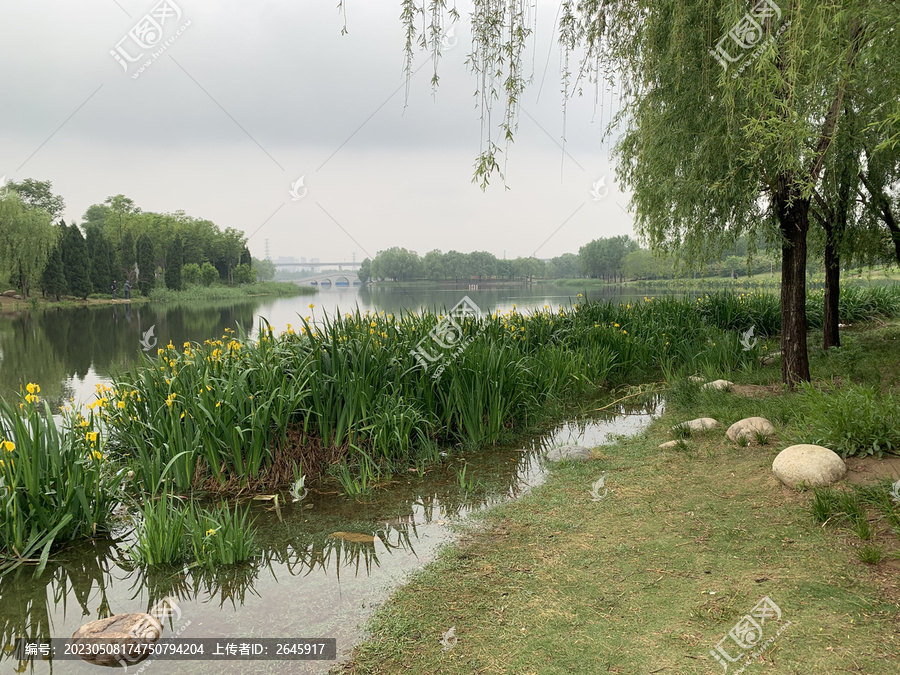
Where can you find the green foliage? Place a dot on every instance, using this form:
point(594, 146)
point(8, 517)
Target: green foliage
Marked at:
point(605, 258)
point(353, 387)
point(852, 419)
point(870, 554)
point(244, 274)
point(265, 270)
point(102, 259)
point(172, 531)
point(38, 194)
point(26, 238)
point(53, 279)
point(208, 274)
point(146, 264)
point(161, 532)
point(54, 485)
point(190, 273)
point(76, 263)
point(174, 263)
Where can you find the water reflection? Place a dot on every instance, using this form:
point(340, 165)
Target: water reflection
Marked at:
point(59, 348)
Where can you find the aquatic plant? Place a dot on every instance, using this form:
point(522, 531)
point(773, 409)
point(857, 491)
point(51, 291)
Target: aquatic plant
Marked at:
point(55, 484)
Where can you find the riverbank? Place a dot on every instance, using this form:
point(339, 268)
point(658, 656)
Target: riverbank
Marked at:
point(189, 294)
point(654, 574)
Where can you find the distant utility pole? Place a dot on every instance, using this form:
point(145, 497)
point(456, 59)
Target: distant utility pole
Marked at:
point(354, 256)
point(268, 257)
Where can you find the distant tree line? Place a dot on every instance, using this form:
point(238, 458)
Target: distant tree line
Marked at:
point(613, 259)
point(116, 241)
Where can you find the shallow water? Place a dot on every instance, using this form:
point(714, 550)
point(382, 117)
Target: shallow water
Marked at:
point(307, 584)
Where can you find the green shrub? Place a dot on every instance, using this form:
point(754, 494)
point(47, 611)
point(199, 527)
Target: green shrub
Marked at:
point(852, 420)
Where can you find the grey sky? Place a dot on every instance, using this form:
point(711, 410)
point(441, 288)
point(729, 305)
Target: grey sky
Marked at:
point(253, 95)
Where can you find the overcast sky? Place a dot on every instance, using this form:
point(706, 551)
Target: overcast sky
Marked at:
point(252, 96)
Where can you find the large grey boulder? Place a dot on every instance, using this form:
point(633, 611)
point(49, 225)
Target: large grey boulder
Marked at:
point(699, 424)
point(811, 465)
point(749, 428)
point(718, 384)
point(9, 293)
point(569, 453)
point(120, 629)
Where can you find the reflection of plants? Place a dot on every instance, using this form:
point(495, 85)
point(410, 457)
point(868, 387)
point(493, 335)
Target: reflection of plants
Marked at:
point(55, 485)
point(27, 603)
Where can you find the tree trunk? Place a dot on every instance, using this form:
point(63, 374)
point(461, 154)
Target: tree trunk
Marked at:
point(830, 333)
point(888, 216)
point(794, 223)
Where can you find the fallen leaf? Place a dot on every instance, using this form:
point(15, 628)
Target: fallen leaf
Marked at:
point(356, 537)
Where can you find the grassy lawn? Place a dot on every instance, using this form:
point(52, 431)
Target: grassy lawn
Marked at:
point(685, 543)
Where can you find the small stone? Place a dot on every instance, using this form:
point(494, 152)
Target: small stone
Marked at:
point(769, 359)
point(569, 453)
point(120, 629)
point(749, 428)
point(697, 379)
point(811, 465)
point(17, 297)
point(699, 424)
point(718, 384)
point(667, 445)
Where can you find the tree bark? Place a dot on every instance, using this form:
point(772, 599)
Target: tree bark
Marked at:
point(830, 332)
point(793, 217)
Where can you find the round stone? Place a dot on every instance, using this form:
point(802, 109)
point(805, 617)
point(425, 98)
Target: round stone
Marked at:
point(811, 465)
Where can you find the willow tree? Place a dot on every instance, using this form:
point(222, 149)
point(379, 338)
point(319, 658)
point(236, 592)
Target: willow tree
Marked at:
point(26, 238)
point(729, 110)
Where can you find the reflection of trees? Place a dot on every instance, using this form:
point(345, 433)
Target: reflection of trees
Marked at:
point(52, 345)
point(27, 355)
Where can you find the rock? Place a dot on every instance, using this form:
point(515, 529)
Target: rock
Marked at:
point(717, 384)
point(697, 379)
point(769, 359)
point(812, 465)
point(9, 294)
point(569, 453)
point(749, 428)
point(668, 445)
point(17, 297)
point(699, 424)
point(124, 629)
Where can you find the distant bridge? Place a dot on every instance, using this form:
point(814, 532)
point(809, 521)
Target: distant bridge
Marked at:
point(333, 280)
point(339, 265)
